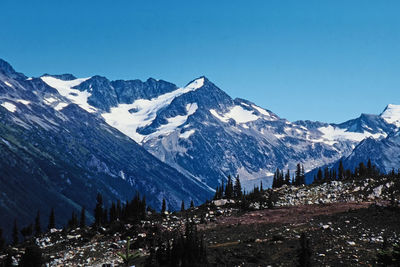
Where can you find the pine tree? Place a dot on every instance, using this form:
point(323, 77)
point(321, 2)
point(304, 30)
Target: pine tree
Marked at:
point(82, 221)
point(238, 188)
point(341, 170)
point(52, 220)
point(2, 240)
point(15, 233)
point(27, 231)
point(229, 188)
point(319, 175)
point(216, 195)
point(362, 170)
point(38, 229)
point(191, 204)
point(287, 177)
point(163, 206)
point(274, 181)
point(297, 179)
point(183, 206)
point(119, 209)
point(98, 211)
point(73, 222)
point(304, 253)
point(104, 220)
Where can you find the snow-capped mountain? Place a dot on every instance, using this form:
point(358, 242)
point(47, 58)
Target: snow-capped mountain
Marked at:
point(205, 134)
point(383, 153)
point(56, 151)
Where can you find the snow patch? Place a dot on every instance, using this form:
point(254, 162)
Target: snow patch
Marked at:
point(187, 134)
point(25, 102)
point(332, 135)
point(60, 106)
point(262, 111)
point(8, 84)
point(237, 113)
point(173, 122)
point(391, 114)
point(127, 118)
point(9, 106)
point(65, 88)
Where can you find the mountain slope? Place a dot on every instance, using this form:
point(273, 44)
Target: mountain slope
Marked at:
point(55, 153)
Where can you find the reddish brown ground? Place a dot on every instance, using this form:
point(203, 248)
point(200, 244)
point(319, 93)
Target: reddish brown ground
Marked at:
point(296, 214)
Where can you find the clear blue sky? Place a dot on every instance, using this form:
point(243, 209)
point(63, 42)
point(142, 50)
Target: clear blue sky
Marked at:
point(317, 60)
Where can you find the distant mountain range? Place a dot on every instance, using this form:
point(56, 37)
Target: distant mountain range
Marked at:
point(62, 136)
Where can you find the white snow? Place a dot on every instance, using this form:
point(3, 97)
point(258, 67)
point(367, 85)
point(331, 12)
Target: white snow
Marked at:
point(392, 114)
point(261, 110)
point(174, 122)
point(22, 101)
point(8, 84)
point(187, 134)
point(122, 175)
point(332, 135)
point(237, 113)
point(50, 100)
point(60, 106)
point(9, 106)
point(65, 88)
point(145, 111)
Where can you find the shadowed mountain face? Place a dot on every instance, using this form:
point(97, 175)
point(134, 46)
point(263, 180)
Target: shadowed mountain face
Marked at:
point(55, 154)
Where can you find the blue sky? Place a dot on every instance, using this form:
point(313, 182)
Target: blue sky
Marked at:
point(317, 60)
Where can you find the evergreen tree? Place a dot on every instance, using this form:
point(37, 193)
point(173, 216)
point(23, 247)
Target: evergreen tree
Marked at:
point(238, 188)
point(341, 170)
point(104, 220)
point(287, 177)
point(2, 240)
point(229, 188)
point(191, 204)
point(52, 220)
point(319, 175)
point(261, 186)
point(27, 231)
point(297, 175)
point(15, 233)
point(98, 211)
point(38, 229)
point(274, 181)
point(362, 170)
point(326, 174)
point(113, 212)
point(119, 209)
point(304, 254)
point(216, 195)
point(183, 206)
point(73, 222)
point(82, 221)
point(369, 168)
point(163, 206)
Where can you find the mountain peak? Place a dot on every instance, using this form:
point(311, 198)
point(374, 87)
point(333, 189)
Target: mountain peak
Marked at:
point(197, 83)
point(8, 70)
point(64, 77)
point(391, 114)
